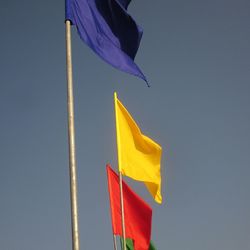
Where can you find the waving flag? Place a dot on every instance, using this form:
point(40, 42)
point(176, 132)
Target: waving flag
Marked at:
point(130, 244)
point(137, 213)
point(139, 156)
point(107, 28)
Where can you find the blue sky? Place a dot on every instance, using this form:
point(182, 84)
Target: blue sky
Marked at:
point(196, 57)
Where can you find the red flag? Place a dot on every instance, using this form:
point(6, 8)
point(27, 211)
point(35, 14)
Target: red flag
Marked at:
point(137, 213)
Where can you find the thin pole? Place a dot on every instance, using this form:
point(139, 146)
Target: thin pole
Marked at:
point(120, 174)
point(71, 139)
point(114, 240)
point(122, 208)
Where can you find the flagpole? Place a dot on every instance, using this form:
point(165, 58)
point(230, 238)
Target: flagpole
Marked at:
point(114, 240)
point(122, 208)
point(71, 139)
point(120, 174)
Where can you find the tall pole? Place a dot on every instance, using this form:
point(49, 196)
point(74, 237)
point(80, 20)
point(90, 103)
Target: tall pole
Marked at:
point(71, 139)
point(122, 210)
point(120, 174)
point(114, 241)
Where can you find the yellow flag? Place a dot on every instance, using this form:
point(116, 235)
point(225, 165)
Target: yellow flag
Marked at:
point(139, 157)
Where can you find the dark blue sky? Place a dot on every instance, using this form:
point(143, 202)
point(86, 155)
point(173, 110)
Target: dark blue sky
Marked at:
point(196, 56)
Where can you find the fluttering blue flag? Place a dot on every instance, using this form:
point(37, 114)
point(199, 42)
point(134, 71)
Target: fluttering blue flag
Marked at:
point(107, 28)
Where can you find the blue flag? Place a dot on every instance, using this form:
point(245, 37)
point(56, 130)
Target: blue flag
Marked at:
point(107, 28)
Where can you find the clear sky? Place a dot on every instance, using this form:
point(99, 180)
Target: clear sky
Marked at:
point(196, 56)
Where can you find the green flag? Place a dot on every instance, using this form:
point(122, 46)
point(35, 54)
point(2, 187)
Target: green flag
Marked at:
point(152, 246)
point(130, 245)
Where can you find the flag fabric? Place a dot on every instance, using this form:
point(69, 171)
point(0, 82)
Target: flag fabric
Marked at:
point(137, 213)
point(107, 28)
point(130, 245)
point(138, 156)
point(152, 246)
